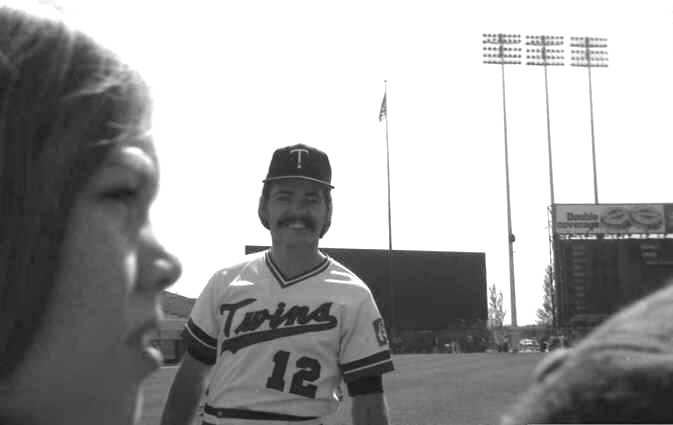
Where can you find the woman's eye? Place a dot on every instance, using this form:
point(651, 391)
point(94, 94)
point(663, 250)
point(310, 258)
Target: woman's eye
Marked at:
point(121, 194)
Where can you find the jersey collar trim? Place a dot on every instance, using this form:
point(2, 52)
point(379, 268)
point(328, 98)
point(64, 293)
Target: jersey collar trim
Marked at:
point(284, 281)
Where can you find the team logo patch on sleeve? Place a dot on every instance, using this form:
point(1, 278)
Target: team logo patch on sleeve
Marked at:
point(380, 331)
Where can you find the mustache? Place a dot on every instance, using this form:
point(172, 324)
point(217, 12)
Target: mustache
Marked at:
point(305, 220)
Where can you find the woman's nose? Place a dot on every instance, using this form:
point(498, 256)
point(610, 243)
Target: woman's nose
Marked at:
point(162, 268)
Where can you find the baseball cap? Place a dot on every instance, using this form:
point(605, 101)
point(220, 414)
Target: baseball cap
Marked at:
point(300, 162)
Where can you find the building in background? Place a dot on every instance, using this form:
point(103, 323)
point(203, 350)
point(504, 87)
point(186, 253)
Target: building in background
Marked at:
point(168, 338)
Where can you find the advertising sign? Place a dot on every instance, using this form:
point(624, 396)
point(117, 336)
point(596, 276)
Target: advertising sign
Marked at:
point(668, 217)
point(613, 218)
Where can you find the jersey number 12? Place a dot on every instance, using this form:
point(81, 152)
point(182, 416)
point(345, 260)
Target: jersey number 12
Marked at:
point(309, 371)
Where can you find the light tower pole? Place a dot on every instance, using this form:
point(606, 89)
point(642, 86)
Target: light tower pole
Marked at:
point(542, 51)
point(545, 51)
point(590, 52)
point(500, 49)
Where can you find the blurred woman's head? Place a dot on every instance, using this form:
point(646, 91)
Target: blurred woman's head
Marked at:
point(80, 269)
point(621, 372)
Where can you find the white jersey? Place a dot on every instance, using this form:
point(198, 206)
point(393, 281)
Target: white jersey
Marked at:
point(282, 346)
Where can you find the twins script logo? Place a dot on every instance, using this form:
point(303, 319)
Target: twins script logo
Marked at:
point(297, 319)
point(299, 151)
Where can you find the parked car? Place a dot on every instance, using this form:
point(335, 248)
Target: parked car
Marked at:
point(528, 345)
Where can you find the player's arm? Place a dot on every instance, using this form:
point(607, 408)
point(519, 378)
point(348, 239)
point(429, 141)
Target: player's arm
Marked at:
point(200, 337)
point(363, 358)
point(186, 391)
point(369, 405)
point(370, 409)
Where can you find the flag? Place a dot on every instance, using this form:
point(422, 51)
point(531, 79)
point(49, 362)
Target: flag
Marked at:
point(383, 113)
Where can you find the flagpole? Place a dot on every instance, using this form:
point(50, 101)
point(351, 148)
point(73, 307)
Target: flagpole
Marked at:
point(384, 111)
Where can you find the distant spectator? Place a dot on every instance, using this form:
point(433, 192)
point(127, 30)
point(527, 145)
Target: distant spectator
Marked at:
point(622, 372)
point(469, 344)
point(554, 343)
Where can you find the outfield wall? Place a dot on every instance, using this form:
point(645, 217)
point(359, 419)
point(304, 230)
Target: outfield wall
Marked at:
point(431, 290)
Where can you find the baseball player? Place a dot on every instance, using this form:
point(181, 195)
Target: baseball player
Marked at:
point(276, 333)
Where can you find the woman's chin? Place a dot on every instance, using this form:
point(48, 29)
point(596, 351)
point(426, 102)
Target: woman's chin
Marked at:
point(138, 410)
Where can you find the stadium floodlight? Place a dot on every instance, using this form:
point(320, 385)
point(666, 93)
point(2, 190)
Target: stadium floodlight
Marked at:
point(545, 51)
point(590, 52)
point(496, 51)
point(501, 49)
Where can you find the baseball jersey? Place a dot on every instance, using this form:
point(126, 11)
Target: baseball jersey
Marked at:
point(280, 346)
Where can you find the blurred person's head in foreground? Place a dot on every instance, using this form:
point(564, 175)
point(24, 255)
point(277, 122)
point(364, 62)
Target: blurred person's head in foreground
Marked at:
point(80, 269)
point(622, 372)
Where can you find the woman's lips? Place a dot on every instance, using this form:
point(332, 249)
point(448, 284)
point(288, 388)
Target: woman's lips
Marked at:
point(141, 339)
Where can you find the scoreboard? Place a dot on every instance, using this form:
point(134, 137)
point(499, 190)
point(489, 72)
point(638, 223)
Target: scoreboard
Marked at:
point(607, 256)
point(596, 277)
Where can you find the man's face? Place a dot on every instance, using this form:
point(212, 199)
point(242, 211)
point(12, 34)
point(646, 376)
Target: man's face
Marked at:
point(296, 211)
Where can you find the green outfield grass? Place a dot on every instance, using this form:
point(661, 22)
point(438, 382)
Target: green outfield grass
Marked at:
point(425, 389)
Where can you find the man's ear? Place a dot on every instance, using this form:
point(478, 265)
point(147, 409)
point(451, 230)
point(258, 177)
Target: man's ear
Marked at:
point(328, 220)
point(261, 212)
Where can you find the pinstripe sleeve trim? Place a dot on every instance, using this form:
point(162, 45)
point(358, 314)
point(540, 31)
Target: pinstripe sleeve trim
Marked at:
point(376, 364)
point(367, 361)
point(198, 344)
point(200, 335)
point(378, 369)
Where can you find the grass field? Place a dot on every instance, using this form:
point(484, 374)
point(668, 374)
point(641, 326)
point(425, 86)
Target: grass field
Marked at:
point(425, 389)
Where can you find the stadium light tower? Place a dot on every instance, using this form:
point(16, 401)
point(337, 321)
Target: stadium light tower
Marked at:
point(545, 51)
point(590, 52)
point(500, 49)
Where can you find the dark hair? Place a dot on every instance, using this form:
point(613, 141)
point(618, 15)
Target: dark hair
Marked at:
point(603, 388)
point(62, 96)
point(327, 194)
point(620, 373)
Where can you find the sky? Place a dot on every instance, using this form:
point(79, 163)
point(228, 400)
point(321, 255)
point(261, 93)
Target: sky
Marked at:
point(232, 81)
